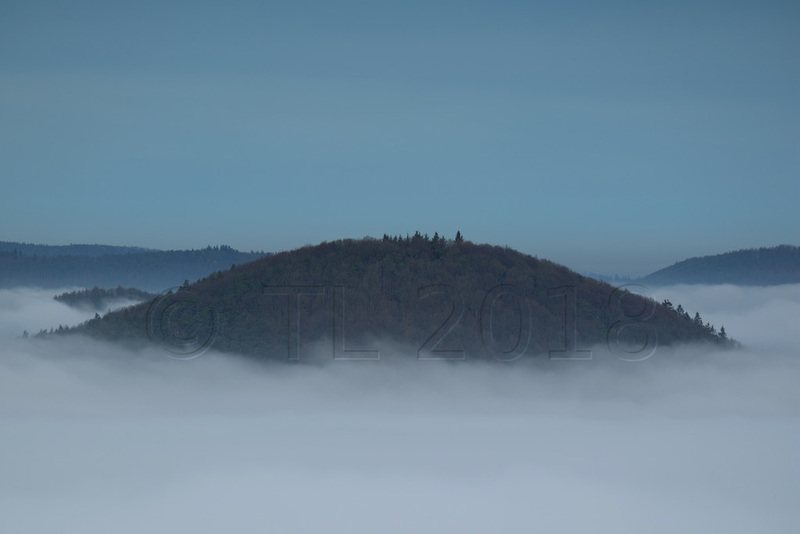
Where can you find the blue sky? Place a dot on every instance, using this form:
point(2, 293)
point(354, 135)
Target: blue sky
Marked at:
point(614, 137)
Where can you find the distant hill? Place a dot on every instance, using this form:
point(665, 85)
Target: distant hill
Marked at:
point(150, 270)
point(754, 267)
point(449, 299)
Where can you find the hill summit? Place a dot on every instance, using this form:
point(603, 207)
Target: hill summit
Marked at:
point(444, 299)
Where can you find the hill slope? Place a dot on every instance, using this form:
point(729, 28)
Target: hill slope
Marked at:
point(448, 300)
point(756, 267)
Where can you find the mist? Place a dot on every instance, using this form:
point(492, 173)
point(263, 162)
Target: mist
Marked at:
point(101, 439)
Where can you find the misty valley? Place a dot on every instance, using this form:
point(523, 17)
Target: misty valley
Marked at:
point(425, 267)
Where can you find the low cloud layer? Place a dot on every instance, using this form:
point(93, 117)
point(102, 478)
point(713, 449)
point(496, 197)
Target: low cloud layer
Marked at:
point(97, 439)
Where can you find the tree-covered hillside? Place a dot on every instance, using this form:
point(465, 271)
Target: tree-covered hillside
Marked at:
point(445, 299)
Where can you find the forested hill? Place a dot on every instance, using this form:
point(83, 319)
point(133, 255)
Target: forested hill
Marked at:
point(153, 270)
point(102, 299)
point(755, 267)
point(446, 299)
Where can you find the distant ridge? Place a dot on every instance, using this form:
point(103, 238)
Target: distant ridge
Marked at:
point(107, 266)
point(752, 267)
point(31, 249)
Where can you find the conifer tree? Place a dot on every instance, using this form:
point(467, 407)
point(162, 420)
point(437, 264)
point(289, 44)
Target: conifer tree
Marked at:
point(722, 335)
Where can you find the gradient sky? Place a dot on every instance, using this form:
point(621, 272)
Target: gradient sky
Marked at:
point(613, 137)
